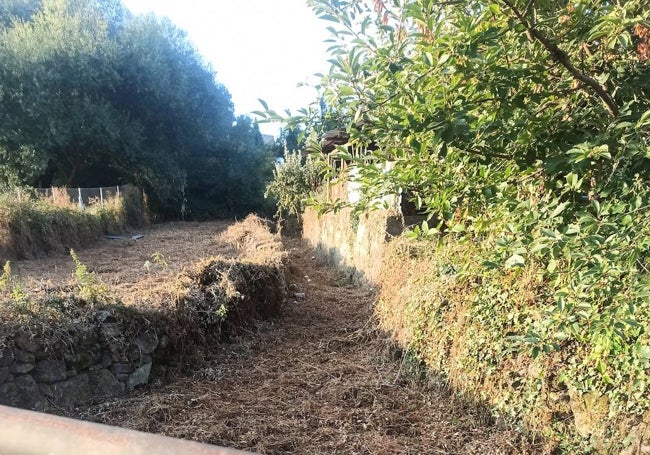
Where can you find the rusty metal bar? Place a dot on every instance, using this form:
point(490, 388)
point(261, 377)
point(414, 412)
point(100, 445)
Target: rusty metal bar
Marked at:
point(31, 433)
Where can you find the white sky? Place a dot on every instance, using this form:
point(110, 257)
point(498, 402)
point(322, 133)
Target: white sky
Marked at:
point(259, 48)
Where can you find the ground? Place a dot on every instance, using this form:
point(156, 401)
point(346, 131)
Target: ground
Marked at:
point(318, 379)
point(137, 271)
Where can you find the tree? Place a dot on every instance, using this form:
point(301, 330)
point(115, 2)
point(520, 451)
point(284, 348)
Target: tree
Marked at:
point(521, 128)
point(91, 94)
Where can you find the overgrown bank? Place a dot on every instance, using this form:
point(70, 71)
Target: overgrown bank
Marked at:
point(32, 225)
point(474, 326)
point(477, 330)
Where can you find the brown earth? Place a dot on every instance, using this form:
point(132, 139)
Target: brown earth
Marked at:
point(320, 379)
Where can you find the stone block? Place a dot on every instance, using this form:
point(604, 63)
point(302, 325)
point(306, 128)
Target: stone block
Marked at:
point(46, 390)
point(73, 392)
point(103, 384)
point(21, 368)
point(26, 342)
point(110, 331)
point(83, 359)
point(24, 356)
point(121, 368)
point(86, 335)
point(29, 395)
point(139, 376)
point(164, 341)
point(5, 376)
point(105, 362)
point(135, 355)
point(50, 371)
point(104, 316)
point(6, 357)
point(119, 357)
point(9, 394)
point(146, 342)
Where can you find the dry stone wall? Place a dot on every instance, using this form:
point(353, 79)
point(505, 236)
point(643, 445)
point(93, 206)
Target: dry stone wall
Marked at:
point(91, 361)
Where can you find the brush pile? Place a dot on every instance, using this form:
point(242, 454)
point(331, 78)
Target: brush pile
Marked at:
point(221, 293)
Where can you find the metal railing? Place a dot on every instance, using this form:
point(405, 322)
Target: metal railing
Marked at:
point(31, 433)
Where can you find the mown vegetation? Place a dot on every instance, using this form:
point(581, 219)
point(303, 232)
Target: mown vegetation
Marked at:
point(241, 281)
point(91, 95)
point(521, 129)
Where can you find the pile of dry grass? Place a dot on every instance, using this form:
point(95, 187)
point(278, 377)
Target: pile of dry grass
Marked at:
point(219, 294)
point(252, 240)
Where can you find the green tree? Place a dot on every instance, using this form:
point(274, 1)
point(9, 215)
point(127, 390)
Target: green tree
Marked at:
point(92, 95)
point(521, 128)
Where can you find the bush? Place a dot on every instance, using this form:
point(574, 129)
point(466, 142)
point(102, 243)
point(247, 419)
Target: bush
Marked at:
point(293, 181)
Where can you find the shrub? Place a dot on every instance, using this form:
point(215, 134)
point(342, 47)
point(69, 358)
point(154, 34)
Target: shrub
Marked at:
point(293, 181)
point(31, 225)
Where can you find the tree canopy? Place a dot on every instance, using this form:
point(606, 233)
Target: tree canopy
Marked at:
point(91, 94)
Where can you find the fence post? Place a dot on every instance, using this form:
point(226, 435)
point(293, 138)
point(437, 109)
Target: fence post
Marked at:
point(81, 202)
point(101, 196)
point(118, 191)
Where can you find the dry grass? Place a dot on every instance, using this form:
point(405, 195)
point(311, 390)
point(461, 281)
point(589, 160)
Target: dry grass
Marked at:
point(317, 381)
point(252, 240)
point(34, 226)
point(141, 272)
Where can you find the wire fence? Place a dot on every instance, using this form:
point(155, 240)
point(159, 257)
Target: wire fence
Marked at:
point(82, 197)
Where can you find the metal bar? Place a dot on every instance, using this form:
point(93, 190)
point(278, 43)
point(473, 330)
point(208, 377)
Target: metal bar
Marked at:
point(31, 433)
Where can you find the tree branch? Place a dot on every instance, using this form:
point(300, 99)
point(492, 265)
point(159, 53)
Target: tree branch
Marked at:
point(563, 59)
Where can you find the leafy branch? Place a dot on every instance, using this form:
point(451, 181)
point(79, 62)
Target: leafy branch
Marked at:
point(563, 59)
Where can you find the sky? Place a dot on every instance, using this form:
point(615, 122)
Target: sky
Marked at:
point(259, 48)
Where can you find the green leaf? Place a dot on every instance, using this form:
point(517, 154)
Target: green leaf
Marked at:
point(515, 260)
point(443, 59)
point(643, 351)
point(263, 103)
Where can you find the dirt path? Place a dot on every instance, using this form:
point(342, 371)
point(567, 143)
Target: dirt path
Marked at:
point(318, 380)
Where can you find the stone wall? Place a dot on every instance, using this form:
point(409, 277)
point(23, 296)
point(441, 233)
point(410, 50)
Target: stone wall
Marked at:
point(354, 243)
point(93, 360)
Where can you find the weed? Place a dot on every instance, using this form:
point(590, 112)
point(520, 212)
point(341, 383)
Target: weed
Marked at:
point(14, 290)
point(159, 258)
point(90, 286)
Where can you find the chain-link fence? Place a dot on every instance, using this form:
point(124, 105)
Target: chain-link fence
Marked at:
point(82, 197)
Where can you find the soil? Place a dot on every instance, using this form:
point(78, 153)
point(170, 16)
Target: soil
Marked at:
point(319, 379)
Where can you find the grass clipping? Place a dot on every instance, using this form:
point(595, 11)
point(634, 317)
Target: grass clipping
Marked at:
point(220, 294)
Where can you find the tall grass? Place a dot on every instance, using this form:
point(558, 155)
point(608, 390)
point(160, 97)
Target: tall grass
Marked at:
point(32, 225)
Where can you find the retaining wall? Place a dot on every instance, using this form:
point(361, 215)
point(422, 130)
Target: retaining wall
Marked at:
point(92, 360)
